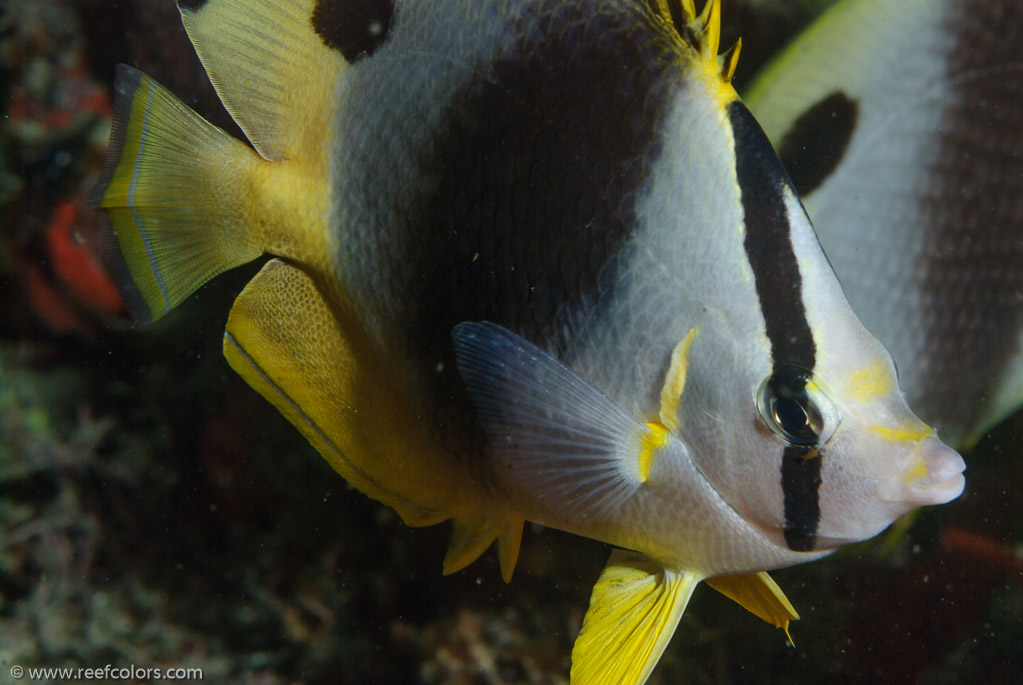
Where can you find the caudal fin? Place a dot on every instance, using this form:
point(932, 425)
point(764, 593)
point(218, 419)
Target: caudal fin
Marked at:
point(170, 192)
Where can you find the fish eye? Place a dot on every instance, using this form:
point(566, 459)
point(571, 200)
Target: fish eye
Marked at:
point(796, 409)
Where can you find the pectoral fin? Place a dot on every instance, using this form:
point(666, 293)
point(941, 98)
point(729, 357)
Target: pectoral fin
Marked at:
point(634, 609)
point(570, 446)
point(760, 595)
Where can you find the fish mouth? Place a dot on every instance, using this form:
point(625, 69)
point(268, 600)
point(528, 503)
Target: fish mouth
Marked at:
point(935, 476)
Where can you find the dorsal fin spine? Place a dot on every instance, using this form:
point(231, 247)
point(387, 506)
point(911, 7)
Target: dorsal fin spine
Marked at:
point(702, 33)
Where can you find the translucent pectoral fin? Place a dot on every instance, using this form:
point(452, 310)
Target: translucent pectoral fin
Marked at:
point(760, 595)
point(634, 610)
point(568, 445)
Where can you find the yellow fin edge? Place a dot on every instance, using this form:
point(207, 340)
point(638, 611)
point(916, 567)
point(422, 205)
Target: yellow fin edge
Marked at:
point(702, 32)
point(635, 607)
point(470, 539)
point(760, 595)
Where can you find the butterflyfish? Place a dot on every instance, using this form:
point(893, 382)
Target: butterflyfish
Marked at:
point(901, 124)
point(530, 260)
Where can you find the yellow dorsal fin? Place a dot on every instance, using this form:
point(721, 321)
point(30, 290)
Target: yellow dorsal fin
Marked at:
point(729, 60)
point(677, 13)
point(709, 23)
point(760, 595)
point(634, 610)
point(701, 32)
point(275, 75)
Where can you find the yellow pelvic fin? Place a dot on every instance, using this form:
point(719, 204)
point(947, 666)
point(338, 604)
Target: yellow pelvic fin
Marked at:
point(275, 75)
point(760, 595)
point(634, 610)
point(171, 193)
point(675, 382)
point(284, 339)
point(470, 540)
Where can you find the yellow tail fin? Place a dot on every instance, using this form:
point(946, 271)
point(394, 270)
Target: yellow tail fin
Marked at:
point(170, 191)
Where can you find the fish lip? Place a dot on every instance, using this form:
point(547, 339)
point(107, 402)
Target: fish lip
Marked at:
point(937, 493)
point(942, 480)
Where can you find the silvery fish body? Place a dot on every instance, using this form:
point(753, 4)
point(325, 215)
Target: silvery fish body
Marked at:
point(533, 260)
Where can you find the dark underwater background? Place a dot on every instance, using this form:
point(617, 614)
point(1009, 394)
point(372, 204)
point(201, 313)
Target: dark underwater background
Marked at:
point(154, 511)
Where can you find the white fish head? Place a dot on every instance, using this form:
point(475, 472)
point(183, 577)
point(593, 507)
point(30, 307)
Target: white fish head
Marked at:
point(814, 455)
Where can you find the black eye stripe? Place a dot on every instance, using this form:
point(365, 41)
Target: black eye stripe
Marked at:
point(801, 481)
point(768, 244)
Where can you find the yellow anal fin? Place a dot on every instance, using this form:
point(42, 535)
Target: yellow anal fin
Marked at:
point(760, 595)
point(468, 542)
point(284, 340)
point(634, 610)
point(172, 190)
point(508, 543)
point(275, 75)
point(470, 539)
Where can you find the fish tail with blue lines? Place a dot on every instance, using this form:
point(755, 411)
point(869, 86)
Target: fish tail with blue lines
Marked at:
point(163, 188)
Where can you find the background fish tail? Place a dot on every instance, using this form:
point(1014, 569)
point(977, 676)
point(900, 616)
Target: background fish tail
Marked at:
point(170, 190)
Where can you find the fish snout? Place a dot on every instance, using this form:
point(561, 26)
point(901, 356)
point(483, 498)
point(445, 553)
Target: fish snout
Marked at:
point(934, 476)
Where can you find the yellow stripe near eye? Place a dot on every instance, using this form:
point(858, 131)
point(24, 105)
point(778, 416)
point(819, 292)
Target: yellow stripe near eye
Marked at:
point(872, 382)
point(907, 432)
